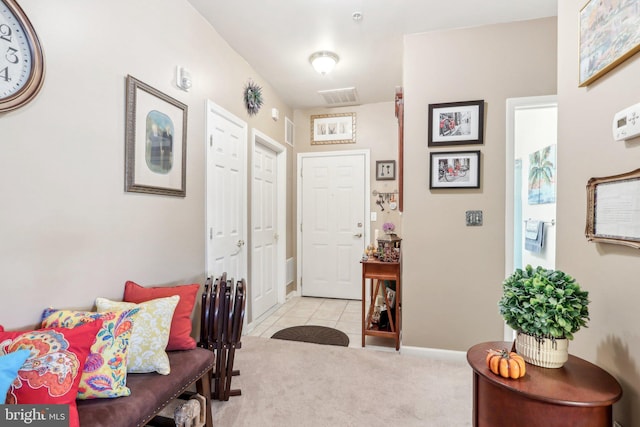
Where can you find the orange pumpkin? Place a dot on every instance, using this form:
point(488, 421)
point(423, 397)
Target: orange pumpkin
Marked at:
point(506, 364)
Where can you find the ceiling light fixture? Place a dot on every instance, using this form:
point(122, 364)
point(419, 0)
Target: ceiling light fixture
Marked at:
point(324, 61)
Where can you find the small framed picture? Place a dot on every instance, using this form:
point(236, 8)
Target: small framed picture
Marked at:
point(333, 129)
point(456, 123)
point(155, 141)
point(385, 170)
point(455, 169)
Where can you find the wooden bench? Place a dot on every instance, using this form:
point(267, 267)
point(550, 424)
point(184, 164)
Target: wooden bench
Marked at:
point(150, 393)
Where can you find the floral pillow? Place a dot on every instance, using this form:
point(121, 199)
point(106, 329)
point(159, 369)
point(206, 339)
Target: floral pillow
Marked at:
point(180, 335)
point(52, 372)
point(105, 371)
point(150, 332)
point(9, 366)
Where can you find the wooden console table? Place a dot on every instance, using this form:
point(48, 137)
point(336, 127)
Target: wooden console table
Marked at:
point(580, 394)
point(377, 272)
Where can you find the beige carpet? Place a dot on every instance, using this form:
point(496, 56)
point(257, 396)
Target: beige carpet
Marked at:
point(287, 383)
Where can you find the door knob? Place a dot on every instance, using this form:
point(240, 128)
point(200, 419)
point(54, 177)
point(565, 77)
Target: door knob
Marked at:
point(240, 243)
point(357, 235)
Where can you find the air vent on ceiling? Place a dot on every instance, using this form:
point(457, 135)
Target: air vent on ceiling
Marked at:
point(335, 97)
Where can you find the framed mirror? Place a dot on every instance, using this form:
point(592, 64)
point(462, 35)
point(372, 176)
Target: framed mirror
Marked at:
point(613, 209)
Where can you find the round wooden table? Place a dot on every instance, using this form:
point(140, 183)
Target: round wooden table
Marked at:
point(580, 394)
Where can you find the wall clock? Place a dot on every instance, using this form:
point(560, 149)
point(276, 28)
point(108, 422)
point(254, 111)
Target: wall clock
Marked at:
point(21, 58)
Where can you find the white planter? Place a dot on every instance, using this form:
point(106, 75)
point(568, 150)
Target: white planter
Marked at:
point(543, 352)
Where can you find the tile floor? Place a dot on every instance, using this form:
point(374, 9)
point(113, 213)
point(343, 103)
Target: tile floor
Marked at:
point(344, 315)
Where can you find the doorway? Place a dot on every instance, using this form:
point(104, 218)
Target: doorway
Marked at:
point(333, 222)
point(268, 224)
point(531, 180)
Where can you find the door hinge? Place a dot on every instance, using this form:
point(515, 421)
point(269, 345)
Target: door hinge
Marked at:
point(210, 140)
point(210, 233)
point(300, 172)
point(301, 227)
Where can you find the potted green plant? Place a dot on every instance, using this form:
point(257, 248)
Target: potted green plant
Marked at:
point(545, 307)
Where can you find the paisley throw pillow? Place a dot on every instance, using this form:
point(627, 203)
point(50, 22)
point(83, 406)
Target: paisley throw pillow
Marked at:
point(151, 326)
point(105, 372)
point(52, 372)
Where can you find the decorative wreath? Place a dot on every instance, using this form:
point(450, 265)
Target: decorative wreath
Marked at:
point(252, 98)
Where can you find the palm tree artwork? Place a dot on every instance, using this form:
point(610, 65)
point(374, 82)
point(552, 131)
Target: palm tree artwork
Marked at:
point(542, 176)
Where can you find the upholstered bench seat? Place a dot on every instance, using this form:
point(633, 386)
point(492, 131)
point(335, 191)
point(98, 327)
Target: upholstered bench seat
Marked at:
point(150, 393)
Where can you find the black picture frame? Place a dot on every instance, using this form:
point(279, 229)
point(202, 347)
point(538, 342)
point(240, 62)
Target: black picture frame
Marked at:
point(454, 169)
point(385, 170)
point(456, 123)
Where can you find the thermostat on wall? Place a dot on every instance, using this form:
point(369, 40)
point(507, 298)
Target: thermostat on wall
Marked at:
point(626, 123)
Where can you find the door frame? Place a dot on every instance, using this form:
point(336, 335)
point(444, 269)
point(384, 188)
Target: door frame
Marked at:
point(212, 107)
point(258, 137)
point(514, 104)
point(367, 204)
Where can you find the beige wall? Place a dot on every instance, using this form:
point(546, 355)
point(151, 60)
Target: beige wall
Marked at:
point(377, 131)
point(452, 273)
point(69, 231)
point(609, 272)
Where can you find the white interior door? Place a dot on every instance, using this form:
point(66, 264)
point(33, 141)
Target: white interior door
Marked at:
point(334, 223)
point(264, 236)
point(226, 193)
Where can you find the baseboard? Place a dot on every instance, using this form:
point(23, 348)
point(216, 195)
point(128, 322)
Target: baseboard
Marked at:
point(292, 294)
point(434, 353)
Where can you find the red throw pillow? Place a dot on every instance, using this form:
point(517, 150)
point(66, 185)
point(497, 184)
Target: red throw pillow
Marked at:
point(180, 334)
point(52, 372)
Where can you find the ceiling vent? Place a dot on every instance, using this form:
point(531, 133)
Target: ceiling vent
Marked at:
point(338, 97)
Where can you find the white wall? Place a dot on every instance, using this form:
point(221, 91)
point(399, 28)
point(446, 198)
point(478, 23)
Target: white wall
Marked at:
point(69, 233)
point(586, 149)
point(376, 130)
point(452, 274)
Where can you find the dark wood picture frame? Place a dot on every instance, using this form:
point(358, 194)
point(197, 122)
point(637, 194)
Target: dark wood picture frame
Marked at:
point(385, 170)
point(454, 169)
point(456, 123)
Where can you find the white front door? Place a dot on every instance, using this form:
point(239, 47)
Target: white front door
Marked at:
point(334, 223)
point(264, 233)
point(226, 193)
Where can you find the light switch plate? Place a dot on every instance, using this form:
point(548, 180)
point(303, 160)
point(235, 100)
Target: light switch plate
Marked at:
point(473, 218)
point(374, 216)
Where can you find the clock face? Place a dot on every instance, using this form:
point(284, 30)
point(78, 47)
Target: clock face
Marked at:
point(21, 61)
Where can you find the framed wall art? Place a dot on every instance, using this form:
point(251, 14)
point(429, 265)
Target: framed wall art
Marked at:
point(541, 186)
point(609, 35)
point(333, 129)
point(455, 169)
point(456, 123)
point(612, 213)
point(385, 170)
point(155, 141)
